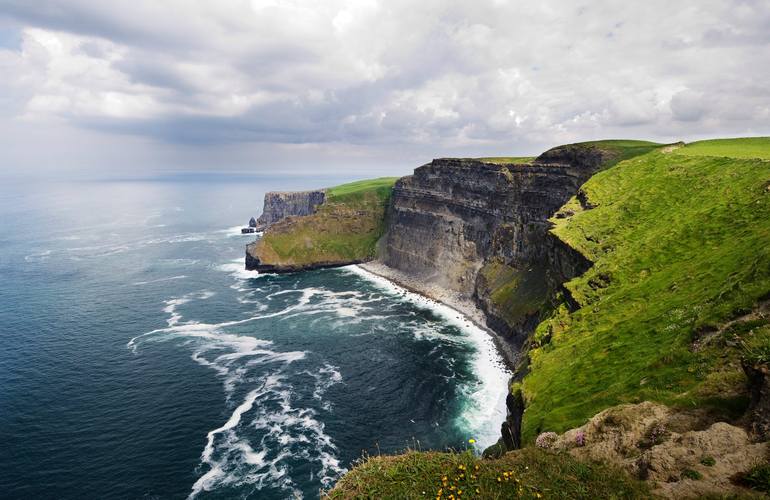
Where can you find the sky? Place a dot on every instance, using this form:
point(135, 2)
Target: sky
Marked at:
point(365, 87)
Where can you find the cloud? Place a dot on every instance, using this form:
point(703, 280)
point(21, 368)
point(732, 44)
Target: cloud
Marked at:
point(688, 106)
point(379, 76)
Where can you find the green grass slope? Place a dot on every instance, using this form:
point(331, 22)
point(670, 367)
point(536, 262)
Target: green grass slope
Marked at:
point(529, 473)
point(749, 147)
point(345, 228)
point(681, 245)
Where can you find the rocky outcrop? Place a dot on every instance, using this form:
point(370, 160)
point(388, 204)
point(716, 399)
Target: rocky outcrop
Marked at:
point(683, 454)
point(758, 413)
point(279, 205)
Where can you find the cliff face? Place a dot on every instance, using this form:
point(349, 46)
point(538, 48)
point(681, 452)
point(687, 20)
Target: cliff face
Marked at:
point(481, 229)
point(279, 205)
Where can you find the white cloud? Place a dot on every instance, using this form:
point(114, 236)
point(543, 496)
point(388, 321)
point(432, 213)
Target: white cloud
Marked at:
point(424, 77)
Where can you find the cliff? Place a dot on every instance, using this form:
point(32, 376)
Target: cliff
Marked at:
point(649, 281)
point(481, 228)
point(279, 205)
point(343, 228)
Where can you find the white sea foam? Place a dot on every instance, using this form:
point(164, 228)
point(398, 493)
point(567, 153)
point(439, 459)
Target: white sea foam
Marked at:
point(236, 231)
point(38, 257)
point(286, 432)
point(325, 377)
point(237, 269)
point(171, 278)
point(172, 304)
point(178, 262)
point(484, 408)
point(233, 457)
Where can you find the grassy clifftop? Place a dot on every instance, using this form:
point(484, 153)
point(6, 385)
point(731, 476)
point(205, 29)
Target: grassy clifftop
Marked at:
point(529, 473)
point(681, 245)
point(749, 147)
point(345, 228)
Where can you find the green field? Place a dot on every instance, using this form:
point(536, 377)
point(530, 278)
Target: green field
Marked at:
point(530, 473)
point(681, 245)
point(358, 189)
point(749, 147)
point(345, 228)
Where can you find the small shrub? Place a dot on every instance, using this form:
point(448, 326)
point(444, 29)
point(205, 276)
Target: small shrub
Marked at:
point(708, 461)
point(546, 440)
point(691, 474)
point(757, 478)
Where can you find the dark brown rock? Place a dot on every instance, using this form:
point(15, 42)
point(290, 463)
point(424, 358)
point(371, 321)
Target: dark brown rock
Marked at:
point(759, 393)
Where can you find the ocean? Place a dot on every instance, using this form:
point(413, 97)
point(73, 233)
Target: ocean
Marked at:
point(138, 359)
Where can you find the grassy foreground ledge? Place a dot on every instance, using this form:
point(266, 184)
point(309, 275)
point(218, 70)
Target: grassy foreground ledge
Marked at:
point(680, 242)
point(345, 228)
point(528, 473)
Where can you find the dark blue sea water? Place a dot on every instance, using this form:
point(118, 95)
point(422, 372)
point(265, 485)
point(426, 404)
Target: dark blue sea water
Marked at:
point(139, 360)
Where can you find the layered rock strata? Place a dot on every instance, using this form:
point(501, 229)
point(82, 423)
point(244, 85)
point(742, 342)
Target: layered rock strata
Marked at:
point(279, 205)
point(481, 229)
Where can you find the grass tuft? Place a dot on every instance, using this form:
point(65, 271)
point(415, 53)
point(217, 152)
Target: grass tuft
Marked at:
point(758, 478)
